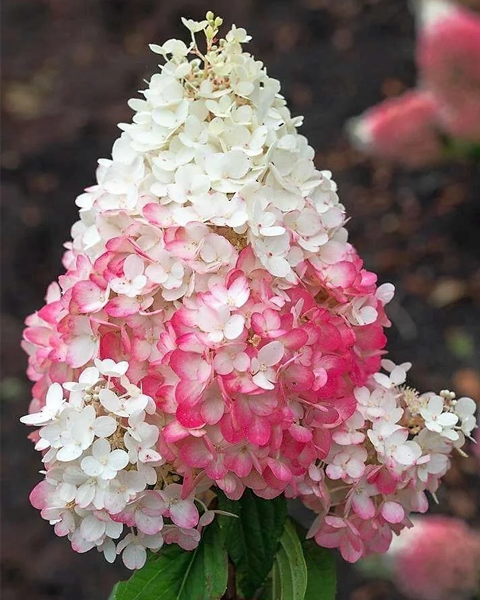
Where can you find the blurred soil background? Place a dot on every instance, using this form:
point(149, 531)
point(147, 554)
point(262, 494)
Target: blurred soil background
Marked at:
point(69, 67)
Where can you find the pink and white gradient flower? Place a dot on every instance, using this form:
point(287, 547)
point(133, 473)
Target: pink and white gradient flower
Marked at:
point(215, 330)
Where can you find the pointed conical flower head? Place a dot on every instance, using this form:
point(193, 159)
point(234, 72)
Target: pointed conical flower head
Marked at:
point(213, 143)
point(215, 330)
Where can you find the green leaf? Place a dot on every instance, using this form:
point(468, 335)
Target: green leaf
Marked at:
point(252, 539)
point(322, 578)
point(175, 574)
point(320, 565)
point(289, 573)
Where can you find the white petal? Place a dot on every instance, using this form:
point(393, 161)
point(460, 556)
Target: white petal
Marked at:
point(91, 466)
point(109, 551)
point(367, 315)
point(114, 502)
point(468, 425)
point(236, 164)
point(465, 407)
point(272, 231)
point(90, 376)
point(109, 400)
point(110, 368)
point(101, 449)
point(434, 426)
point(138, 403)
point(435, 405)
point(398, 375)
point(81, 350)
point(261, 380)
point(447, 419)
point(383, 380)
point(408, 453)
point(40, 418)
point(277, 266)
point(92, 528)
point(385, 293)
point(118, 460)
point(450, 434)
point(68, 453)
point(54, 398)
point(362, 395)
point(104, 426)
point(234, 327)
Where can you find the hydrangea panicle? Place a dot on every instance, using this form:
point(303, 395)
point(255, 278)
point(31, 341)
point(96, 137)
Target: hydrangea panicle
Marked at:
point(215, 330)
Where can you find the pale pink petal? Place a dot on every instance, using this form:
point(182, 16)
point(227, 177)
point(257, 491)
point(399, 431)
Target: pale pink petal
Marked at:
point(134, 556)
point(351, 549)
point(355, 468)
point(195, 453)
point(241, 463)
point(122, 306)
point(393, 512)
point(39, 495)
point(271, 354)
point(335, 471)
point(299, 433)
point(148, 524)
point(223, 364)
point(258, 432)
point(241, 362)
point(363, 506)
point(133, 266)
point(212, 410)
point(81, 350)
point(184, 514)
point(206, 518)
point(89, 297)
point(240, 291)
point(92, 528)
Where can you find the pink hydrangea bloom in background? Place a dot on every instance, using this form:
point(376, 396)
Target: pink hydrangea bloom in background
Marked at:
point(448, 58)
point(215, 330)
point(404, 129)
point(437, 559)
point(412, 128)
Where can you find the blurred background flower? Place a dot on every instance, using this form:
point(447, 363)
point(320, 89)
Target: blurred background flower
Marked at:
point(440, 119)
point(437, 559)
point(68, 67)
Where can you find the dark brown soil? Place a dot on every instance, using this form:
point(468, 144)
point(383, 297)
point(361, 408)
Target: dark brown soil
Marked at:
point(68, 68)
